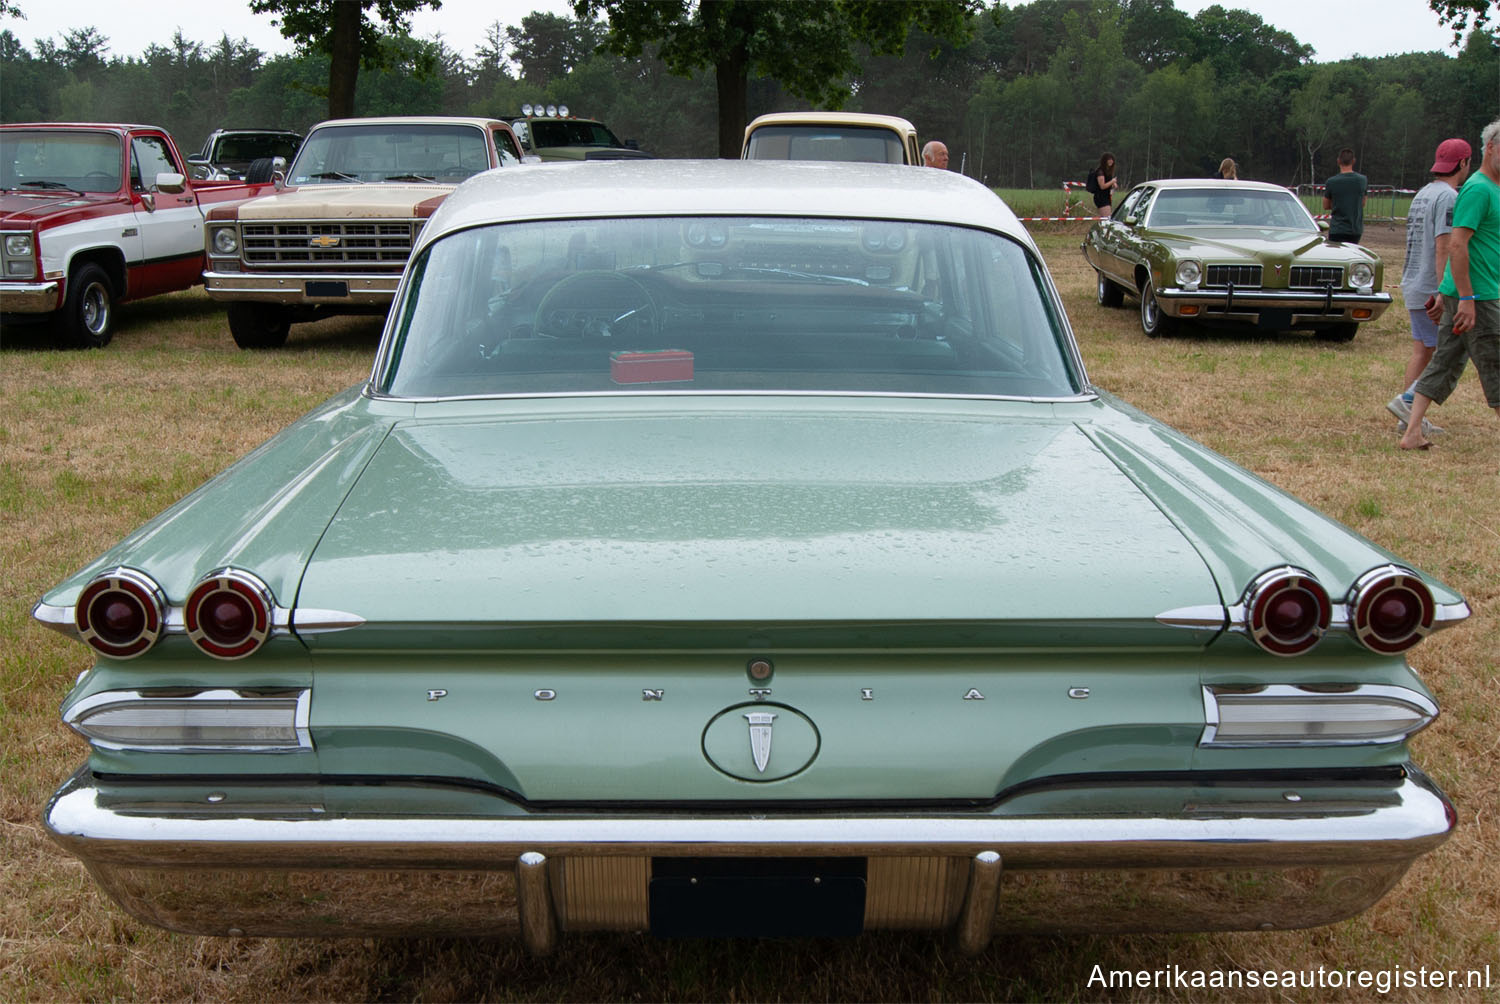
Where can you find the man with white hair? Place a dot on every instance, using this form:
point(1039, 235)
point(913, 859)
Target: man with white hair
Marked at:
point(935, 154)
point(1469, 297)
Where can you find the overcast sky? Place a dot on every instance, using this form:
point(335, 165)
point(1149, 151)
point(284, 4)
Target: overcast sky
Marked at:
point(1336, 28)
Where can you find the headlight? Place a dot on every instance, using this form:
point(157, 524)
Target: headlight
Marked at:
point(226, 240)
point(1188, 273)
point(18, 245)
point(1361, 274)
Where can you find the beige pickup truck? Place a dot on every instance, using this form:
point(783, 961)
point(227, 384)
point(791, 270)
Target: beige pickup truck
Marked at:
point(842, 136)
point(336, 239)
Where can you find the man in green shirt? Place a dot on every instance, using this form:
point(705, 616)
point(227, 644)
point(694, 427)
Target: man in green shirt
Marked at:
point(1344, 197)
point(1469, 327)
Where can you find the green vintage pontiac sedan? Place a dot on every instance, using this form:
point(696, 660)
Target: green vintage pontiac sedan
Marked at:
point(740, 548)
point(1232, 254)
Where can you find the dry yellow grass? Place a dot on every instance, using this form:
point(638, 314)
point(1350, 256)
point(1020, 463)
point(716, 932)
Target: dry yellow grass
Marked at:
point(93, 443)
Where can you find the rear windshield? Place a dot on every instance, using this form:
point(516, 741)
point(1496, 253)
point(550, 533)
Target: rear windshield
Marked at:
point(244, 149)
point(53, 160)
point(566, 132)
point(726, 304)
point(850, 144)
point(382, 152)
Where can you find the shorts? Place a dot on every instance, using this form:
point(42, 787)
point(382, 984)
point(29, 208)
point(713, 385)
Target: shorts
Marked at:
point(1480, 343)
point(1423, 328)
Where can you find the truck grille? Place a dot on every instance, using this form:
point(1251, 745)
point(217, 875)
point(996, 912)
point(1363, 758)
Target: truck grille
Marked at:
point(1239, 275)
point(332, 244)
point(1316, 276)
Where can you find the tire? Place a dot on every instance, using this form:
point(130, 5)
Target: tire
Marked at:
point(260, 170)
point(258, 325)
point(1111, 294)
point(87, 318)
point(1339, 332)
point(1153, 322)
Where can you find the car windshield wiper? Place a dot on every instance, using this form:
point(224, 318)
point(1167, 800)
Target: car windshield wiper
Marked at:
point(805, 276)
point(408, 177)
point(337, 176)
point(48, 185)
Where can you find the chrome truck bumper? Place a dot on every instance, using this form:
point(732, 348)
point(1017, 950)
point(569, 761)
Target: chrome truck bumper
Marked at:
point(29, 297)
point(304, 288)
point(299, 861)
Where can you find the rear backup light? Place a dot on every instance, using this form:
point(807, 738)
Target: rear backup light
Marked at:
point(1391, 609)
point(1343, 715)
point(1286, 611)
point(205, 720)
point(228, 613)
point(121, 613)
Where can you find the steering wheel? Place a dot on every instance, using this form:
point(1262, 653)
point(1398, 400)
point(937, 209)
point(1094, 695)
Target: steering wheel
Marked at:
point(597, 304)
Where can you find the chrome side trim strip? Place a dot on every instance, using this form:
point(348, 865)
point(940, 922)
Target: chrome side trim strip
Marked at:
point(1449, 614)
point(1206, 616)
point(1333, 693)
point(301, 718)
point(59, 619)
point(284, 621)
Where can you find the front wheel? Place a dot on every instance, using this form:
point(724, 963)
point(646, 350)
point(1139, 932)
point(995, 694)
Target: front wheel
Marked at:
point(87, 318)
point(1153, 322)
point(1111, 294)
point(259, 325)
point(1339, 332)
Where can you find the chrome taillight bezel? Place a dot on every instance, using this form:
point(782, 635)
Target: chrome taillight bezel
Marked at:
point(1377, 584)
point(242, 585)
point(1275, 584)
point(137, 588)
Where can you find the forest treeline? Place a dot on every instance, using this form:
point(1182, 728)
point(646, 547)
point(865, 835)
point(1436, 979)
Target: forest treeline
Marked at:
point(1029, 99)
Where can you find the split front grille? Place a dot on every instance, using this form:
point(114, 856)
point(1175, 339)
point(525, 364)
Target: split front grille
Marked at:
point(332, 243)
point(1316, 276)
point(1237, 275)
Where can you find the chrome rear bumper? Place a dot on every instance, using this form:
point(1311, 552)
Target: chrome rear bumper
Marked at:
point(238, 861)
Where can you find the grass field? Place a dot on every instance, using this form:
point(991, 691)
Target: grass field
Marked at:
point(91, 444)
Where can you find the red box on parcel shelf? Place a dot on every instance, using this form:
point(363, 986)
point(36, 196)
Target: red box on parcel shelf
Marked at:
point(661, 366)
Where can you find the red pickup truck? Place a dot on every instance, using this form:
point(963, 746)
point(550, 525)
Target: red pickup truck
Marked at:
point(95, 214)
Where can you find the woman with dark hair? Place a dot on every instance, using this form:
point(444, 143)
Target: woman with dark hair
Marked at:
point(1102, 184)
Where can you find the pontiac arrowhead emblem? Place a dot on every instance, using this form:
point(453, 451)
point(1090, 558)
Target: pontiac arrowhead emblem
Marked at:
point(760, 737)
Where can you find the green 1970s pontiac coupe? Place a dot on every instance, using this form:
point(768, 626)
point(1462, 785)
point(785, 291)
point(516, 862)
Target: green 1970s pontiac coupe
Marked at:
point(1233, 254)
point(740, 548)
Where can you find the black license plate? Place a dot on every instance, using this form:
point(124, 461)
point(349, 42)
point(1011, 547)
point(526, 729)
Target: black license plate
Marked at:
point(327, 287)
point(1275, 318)
point(757, 897)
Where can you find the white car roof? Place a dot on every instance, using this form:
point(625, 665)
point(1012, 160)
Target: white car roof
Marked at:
point(722, 188)
point(414, 120)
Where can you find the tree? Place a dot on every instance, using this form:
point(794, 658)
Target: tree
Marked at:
point(341, 30)
point(1455, 14)
point(808, 47)
point(547, 47)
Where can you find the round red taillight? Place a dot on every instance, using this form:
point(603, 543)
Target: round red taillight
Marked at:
point(228, 614)
point(121, 613)
point(1391, 610)
point(1287, 611)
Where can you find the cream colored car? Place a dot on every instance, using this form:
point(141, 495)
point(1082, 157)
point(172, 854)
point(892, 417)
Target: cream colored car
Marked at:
point(336, 240)
point(837, 136)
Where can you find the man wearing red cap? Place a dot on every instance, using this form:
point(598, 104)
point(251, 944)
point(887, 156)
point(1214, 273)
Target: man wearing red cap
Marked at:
point(1470, 294)
point(1428, 224)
